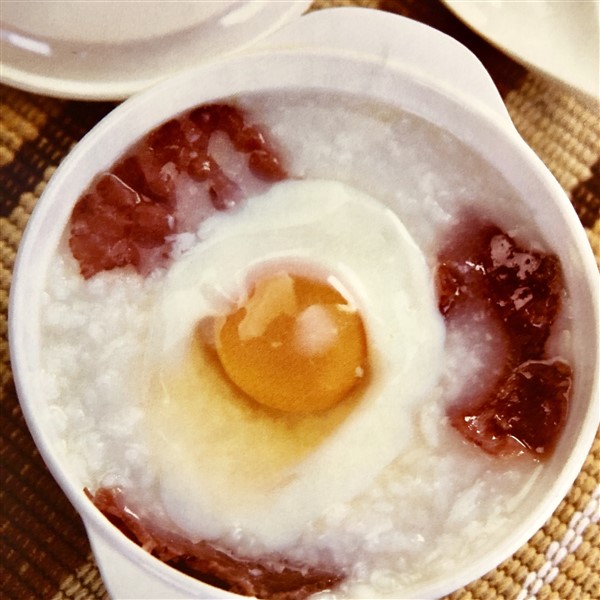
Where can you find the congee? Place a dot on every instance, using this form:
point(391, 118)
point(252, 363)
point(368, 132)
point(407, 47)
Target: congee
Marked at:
point(298, 344)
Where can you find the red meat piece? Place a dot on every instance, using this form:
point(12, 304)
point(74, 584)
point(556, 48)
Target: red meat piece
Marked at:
point(526, 407)
point(273, 578)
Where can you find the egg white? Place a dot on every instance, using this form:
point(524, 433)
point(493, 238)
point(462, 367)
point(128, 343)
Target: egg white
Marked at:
point(226, 467)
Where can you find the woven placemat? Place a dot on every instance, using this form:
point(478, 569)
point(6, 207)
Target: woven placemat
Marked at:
point(44, 552)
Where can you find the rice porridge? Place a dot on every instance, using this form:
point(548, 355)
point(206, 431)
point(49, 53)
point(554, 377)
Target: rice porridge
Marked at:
point(370, 468)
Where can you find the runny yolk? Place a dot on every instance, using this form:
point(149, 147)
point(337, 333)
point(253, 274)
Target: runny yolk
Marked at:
point(296, 345)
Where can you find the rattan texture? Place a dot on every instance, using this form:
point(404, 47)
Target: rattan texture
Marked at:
point(44, 552)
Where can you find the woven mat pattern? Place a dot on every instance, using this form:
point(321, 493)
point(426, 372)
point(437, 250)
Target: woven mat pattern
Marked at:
point(44, 552)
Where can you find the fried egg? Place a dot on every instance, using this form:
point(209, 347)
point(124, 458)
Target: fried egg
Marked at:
point(289, 352)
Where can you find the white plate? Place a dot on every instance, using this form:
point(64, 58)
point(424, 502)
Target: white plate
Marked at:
point(109, 50)
point(559, 38)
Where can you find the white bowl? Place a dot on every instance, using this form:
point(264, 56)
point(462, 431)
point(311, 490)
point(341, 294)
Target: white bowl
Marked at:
point(381, 58)
point(109, 50)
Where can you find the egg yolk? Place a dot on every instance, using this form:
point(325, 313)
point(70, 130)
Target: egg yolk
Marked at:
point(296, 345)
